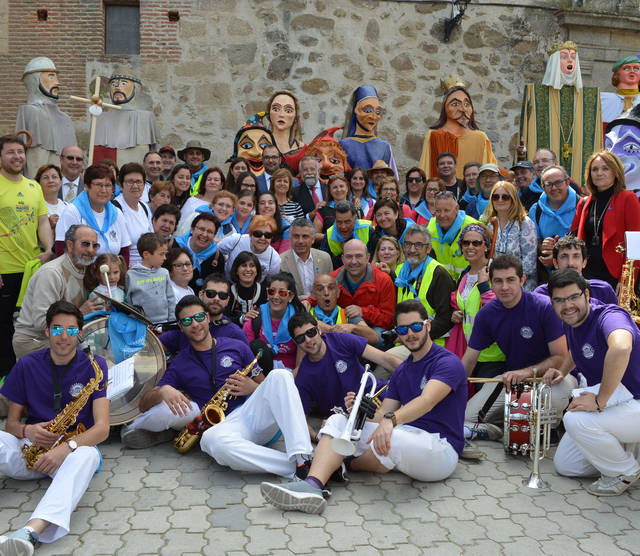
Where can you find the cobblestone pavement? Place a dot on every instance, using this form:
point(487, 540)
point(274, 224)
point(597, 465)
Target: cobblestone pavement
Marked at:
point(159, 502)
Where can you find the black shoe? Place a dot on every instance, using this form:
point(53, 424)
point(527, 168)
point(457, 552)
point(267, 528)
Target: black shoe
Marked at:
point(303, 470)
point(340, 474)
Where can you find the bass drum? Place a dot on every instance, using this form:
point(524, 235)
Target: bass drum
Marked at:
point(149, 366)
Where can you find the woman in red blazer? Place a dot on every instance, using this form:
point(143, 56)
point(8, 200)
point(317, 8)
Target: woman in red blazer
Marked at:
point(604, 216)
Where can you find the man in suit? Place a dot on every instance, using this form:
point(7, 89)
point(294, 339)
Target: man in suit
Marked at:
point(311, 191)
point(71, 166)
point(302, 261)
point(271, 160)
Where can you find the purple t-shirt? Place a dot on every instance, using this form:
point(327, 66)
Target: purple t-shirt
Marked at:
point(522, 332)
point(175, 340)
point(187, 374)
point(600, 290)
point(447, 417)
point(326, 382)
point(588, 344)
point(30, 383)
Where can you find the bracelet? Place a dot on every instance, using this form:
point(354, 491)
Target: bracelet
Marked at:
point(24, 427)
point(599, 409)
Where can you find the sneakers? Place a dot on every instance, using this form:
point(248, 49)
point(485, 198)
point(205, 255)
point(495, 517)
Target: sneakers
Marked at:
point(340, 474)
point(302, 470)
point(485, 431)
point(299, 495)
point(471, 452)
point(612, 486)
point(19, 543)
point(138, 439)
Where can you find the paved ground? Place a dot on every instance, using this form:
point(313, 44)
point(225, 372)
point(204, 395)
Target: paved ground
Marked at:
point(159, 502)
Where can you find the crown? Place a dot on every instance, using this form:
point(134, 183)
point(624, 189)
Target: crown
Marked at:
point(452, 81)
point(566, 45)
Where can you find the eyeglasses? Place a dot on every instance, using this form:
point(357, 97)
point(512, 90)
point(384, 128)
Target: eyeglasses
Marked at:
point(72, 331)
point(551, 184)
point(281, 293)
point(211, 294)
point(415, 327)
point(414, 180)
point(500, 197)
point(133, 182)
point(101, 185)
point(474, 242)
point(562, 300)
point(205, 231)
point(432, 190)
point(87, 244)
point(417, 245)
point(198, 317)
point(76, 158)
point(181, 265)
point(273, 157)
point(311, 333)
point(258, 234)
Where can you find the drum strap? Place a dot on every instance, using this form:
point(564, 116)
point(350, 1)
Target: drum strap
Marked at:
point(212, 371)
point(482, 414)
point(57, 394)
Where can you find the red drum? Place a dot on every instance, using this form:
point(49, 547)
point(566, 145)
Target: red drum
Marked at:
point(518, 408)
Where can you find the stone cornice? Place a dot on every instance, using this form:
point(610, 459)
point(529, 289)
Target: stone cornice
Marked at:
point(575, 18)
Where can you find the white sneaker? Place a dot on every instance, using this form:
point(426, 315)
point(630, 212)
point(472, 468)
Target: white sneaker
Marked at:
point(20, 543)
point(612, 486)
point(298, 495)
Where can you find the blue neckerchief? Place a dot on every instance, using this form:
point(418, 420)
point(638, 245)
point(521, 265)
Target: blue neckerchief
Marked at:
point(481, 204)
point(407, 277)
point(452, 232)
point(372, 191)
point(408, 224)
point(337, 236)
point(196, 175)
point(83, 205)
point(282, 336)
point(329, 319)
point(243, 229)
point(198, 258)
point(468, 196)
point(536, 187)
point(554, 222)
point(331, 204)
point(423, 210)
point(223, 223)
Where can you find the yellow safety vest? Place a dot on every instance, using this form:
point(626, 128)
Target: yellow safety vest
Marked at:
point(342, 318)
point(450, 255)
point(361, 233)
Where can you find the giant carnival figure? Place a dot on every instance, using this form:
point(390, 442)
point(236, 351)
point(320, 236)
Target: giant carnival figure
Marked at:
point(560, 114)
point(283, 115)
point(251, 140)
point(328, 150)
point(625, 78)
point(125, 135)
point(360, 140)
point(456, 131)
point(50, 128)
point(623, 139)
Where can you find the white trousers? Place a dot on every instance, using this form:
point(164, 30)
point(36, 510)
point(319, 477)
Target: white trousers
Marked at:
point(559, 400)
point(421, 455)
point(160, 418)
point(238, 442)
point(67, 487)
point(594, 442)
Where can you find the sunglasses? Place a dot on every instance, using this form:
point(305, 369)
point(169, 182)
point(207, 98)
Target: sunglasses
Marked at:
point(415, 327)
point(258, 234)
point(212, 294)
point(311, 333)
point(474, 242)
point(198, 317)
point(57, 330)
point(76, 158)
point(281, 293)
point(87, 244)
point(414, 180)
point(500, 196)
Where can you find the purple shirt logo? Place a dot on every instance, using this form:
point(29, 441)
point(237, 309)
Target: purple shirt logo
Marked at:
point(341, 366)
point(588, 351)
point(75, 389)
point(526, 332)
point(423, 382)
point(226, 361)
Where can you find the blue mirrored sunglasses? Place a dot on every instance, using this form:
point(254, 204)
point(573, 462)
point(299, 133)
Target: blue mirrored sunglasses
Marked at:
point(72, 331)
point(415, 327)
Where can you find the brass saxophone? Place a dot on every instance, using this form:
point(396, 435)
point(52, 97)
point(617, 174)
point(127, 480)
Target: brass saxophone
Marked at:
point(66, 418)
point(627, 298)
point(212, 413)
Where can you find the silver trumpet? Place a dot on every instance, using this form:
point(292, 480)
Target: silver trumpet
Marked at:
point(344, 445)
point(542, 417)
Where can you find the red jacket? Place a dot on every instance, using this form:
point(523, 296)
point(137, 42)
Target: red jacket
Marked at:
point(623, 215)
point(376, 295)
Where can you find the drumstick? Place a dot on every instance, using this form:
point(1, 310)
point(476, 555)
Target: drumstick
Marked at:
point(480, 380)
point(104, 269)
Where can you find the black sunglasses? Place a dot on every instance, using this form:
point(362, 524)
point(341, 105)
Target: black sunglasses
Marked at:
point(311, 333)
point(258, 234)
point(211, 294)
point(474, 242)
point(500, 196)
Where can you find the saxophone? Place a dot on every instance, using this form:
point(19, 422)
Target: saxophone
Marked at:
point(627, 298)
point(212, 413)
point(66, 418)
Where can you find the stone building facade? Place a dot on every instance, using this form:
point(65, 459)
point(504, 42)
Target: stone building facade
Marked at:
point(208, 64)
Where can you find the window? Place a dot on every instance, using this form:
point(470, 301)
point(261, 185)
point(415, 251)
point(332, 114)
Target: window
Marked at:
point(122, 28)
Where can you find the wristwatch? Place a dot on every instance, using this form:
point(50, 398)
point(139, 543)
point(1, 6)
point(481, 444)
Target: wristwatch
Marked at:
point(72, 445)
point(391, 415)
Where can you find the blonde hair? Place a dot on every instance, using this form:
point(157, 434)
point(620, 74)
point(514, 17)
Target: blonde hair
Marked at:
point(260, 220)
point(614, 163)
point(516, 211)
point(396, 244)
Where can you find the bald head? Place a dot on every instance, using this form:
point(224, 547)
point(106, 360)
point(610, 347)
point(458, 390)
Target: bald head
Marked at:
point(355, 258)
point(326, 292)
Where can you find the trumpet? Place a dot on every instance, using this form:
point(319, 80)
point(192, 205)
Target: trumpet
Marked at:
point(542, 418)
point(344, 444)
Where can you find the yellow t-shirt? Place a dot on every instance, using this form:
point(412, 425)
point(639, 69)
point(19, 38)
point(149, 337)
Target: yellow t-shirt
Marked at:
point(21, 205)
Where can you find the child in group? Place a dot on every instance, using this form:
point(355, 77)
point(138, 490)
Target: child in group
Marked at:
point(94, 280)
point(148, 284)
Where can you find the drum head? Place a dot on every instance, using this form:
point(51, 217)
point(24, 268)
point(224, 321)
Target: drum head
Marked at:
point(149, 366)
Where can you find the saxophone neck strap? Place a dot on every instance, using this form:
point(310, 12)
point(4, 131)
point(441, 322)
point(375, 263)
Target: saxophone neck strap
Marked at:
point(57, 393)
point(212, 371)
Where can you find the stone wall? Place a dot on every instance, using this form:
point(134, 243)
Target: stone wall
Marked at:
point(218, 64)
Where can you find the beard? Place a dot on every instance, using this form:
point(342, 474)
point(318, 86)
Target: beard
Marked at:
point(82, 261)
point(309, 181)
